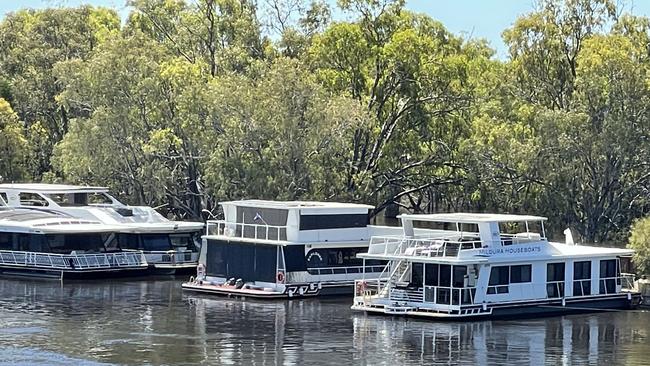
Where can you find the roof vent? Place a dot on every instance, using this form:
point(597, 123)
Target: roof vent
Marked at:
point(124, 211)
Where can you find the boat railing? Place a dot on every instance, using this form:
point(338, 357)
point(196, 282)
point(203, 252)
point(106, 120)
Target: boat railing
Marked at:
point(345, 270)
point(172, 256)
point(73, 261)
point(440, 295)
point(628, 281)
point(249, 231)
point(520, 238)
point(428, 246)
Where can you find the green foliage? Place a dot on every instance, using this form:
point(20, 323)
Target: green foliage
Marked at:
point(13, 145)
point(190, 103)
point(640, 242)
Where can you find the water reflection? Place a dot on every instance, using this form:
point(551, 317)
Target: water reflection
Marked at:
point(615, 338)
point(121, 322)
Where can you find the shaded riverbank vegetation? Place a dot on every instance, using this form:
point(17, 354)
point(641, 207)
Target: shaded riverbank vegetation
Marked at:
point(185, 104)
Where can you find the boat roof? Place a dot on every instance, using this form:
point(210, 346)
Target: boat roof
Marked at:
point(48, 222)
point(296, 204)
point(470, 218)
point(51, 188)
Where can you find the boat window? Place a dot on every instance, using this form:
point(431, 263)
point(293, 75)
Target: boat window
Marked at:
point(69, 199)
point(431, 275)
point(608, 273)
point(294, 258)
point(32, 199)
point(459, 276)
point(250, 262)
point(499, 276)
point(555, 272)
point(96, 198)
point(3, 198)
point(445, 275)
point(181, 240)
point(32, 243)
point(417, 270)
point(582, 278)
point(334, 257)
point(321, 222)
point(66, 243)
point(555, 280)
point(499, 280)
point(519, 274)
point(111, 243)
point(156, 242)
point(6, 241)
point(128, 241)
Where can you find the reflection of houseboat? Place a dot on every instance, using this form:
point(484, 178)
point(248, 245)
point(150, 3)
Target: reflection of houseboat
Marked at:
point(284, 249)
point(38, 243)
point(478, 265)
point(171, 247)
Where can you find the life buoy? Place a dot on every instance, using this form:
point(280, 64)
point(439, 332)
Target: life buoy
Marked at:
point(200, 271)
point(280, 277)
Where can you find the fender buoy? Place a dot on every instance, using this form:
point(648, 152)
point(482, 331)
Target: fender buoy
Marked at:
point(280, 277)
point(200, 271)
point(361, 286)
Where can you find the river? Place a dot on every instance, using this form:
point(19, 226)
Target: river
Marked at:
point(154, 322)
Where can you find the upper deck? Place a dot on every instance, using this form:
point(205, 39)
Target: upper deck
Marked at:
point(475, 238)
point(287, 222)
point(91, 203)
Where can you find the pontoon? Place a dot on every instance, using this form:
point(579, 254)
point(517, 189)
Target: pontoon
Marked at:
point(171, 247)
point(467, 265)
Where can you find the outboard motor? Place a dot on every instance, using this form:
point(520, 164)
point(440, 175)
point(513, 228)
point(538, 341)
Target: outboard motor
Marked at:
point(239, 283)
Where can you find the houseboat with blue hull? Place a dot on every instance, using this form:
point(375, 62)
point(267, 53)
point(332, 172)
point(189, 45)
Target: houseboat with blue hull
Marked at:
point(270, 249)
point(43, 244)
point(469, 266)
point(170, 247)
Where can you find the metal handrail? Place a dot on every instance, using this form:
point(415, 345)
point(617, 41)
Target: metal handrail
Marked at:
point(430, 246)
point(330, 270)
point(238, 230)
point(172, 256)
point(72, 261)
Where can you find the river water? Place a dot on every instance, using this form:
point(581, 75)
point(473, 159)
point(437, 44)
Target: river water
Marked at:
point(154, 322)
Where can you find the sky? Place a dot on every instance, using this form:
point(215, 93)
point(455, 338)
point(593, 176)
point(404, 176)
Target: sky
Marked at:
point(485, 19)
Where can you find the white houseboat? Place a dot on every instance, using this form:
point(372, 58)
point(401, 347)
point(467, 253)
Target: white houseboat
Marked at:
point(46, 244)
point(487, 265)
point(271, 249)
point(171, 247)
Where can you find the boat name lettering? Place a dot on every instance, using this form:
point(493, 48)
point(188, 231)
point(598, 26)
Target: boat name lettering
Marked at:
point(510, 250)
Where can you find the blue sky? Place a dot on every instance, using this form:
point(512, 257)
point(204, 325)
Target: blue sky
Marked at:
point(470, 18)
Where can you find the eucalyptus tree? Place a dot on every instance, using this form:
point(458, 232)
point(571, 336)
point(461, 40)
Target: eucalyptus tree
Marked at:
point(412, 76)
point(32, 42)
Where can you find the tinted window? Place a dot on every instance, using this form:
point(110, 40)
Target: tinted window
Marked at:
point(294, 258)
point(65, 243)
point(319, 222)
point(459, 276)
point(555, 272)
point(519, 274)
point(581, 270)
point(417, 270)
point(608, 268)
point(499, 276)
point(156, 242)
point(250, 262)
point(6, 241)
point(128, 241)
point(445, 275)
point(431, 275)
